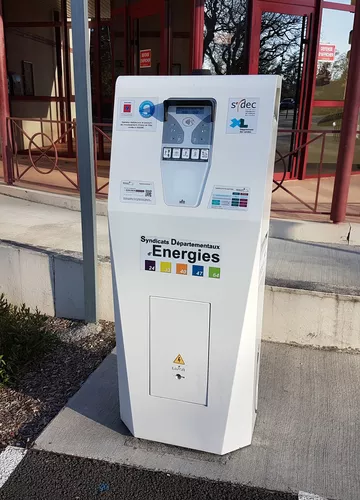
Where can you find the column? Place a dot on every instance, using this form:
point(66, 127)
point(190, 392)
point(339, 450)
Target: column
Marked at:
point(349, 125)
point(4, 105)
point(198, 35)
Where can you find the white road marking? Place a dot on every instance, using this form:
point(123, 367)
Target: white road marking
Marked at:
point(9, 460)
point(309, 496)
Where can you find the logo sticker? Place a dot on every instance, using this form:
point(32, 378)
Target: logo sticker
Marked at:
point(242, 115)
point(180, 257)
point(127, 107)
point(238, 123)
point(147, 109)
point(137, 114)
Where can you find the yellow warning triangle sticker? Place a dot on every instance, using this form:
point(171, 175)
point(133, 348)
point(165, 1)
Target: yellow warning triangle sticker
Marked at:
point(178, 360)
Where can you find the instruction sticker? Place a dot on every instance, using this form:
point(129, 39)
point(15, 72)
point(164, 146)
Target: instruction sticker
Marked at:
point(138, 114)
point(230, 198)
point(182, 257)
point(242, 115)
point(141, 192)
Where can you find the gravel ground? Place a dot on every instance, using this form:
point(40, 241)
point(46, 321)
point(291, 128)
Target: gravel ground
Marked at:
point(49, 382)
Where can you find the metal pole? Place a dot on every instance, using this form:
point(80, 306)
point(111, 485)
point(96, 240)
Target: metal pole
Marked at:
point(85, 150)
point(349, 126)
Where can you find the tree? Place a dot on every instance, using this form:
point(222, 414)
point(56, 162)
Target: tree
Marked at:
point(331, 78)
point(323, 76)
point(290, 70)
point(225, 38)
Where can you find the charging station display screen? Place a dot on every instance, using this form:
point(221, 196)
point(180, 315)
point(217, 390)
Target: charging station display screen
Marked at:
point(189, 111)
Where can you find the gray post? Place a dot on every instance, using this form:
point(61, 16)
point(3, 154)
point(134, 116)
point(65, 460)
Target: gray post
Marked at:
point(85, 153)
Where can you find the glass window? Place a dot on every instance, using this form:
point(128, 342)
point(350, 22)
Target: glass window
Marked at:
point(282, 53)
point(105, 62)
point(147, 37)
point(333, 55)
point(27, 11)
point(324, 119)
point(31, 61)
point(105, 10)
point(118, 30)
point(344, 2)
point(328, 118)
point(181, 25)
point(116, 4)
point(224, 36)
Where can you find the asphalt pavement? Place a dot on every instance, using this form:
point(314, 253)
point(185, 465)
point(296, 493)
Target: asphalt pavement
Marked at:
point(48, 476)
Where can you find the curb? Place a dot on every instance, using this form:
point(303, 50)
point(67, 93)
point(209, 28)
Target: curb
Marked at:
point(53, 199)
point(53, 282)
point(320, 232)
point(345, 233)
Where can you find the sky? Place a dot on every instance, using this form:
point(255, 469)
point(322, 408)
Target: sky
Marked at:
point(335, 29)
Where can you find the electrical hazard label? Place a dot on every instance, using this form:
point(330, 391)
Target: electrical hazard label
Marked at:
point(179, 360)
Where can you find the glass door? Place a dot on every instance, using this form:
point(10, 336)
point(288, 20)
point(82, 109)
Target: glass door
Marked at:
point(147, 38)
point(279, 46)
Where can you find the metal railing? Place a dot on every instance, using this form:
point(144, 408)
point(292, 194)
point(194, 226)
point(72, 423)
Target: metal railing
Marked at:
point(40, 150)
point(290, 162)
point(41, 146)
point(102, 145)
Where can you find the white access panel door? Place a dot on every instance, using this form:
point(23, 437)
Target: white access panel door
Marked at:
point(179, 328)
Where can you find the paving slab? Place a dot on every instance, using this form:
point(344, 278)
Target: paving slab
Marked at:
point(307, 435)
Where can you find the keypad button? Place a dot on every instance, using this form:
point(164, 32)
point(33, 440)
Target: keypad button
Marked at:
point(195, 154)
point(185, 153)
point(167, 153)
point(176, 153)
point(204, 154)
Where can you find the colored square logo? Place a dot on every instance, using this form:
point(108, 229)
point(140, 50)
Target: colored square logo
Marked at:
point(150, 265)
point(198, 270)
point(127, 107)
point(214, 272)
point(165, 267)
point(181, 269)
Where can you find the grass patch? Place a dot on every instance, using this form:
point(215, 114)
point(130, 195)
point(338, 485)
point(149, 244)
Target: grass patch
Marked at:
point(23, 338)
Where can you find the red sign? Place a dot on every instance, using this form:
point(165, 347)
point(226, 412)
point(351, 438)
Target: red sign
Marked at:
point(326, 52)
point(145, 58)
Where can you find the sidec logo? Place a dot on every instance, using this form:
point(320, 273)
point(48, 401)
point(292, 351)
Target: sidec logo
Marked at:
point(243, 104)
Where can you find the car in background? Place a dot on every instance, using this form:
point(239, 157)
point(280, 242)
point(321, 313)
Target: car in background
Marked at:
point(287, 103)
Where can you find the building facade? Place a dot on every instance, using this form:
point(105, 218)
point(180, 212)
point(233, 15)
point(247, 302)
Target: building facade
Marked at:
point(308, 42)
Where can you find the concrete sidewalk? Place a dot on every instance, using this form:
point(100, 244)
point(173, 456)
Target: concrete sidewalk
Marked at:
point(47, 227)
point(315, 266)
point(307, 435)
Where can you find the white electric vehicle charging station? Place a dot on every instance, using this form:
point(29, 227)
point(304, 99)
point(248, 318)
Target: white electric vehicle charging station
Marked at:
point(189, 204)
